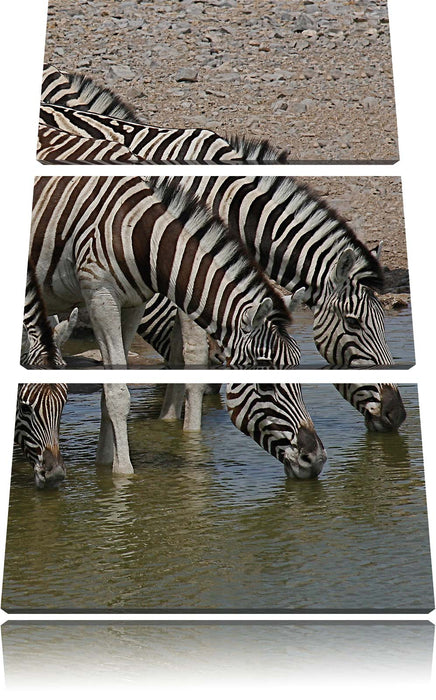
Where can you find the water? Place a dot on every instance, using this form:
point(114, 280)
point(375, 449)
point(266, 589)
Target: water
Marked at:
point(399, 333)
point(209, 522)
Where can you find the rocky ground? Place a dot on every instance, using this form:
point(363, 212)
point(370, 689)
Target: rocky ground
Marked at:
point(313, 76)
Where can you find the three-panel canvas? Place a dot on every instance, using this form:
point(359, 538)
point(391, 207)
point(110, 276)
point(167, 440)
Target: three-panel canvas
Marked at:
point(243, 483)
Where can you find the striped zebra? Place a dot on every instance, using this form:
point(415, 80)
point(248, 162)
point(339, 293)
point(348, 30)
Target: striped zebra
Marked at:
point(275, 416)
point(303, 245)
point(112, 242)
point(57, 146)
point(38, 415)
point(380, 404)
point(39, 406)
point(75, 105)
point(39, 346)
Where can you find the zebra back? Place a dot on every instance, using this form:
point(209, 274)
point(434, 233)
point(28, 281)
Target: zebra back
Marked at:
point(57, 146)
point(79, 92)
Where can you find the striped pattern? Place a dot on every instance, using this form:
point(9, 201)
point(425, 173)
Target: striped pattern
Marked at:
point(113, 242)
point(39, 347)
point(38, 414)
point(380, 404)
point(302, 244)
point(56, 146)
point(94, 115)
point(275, 416)
point(79, 92)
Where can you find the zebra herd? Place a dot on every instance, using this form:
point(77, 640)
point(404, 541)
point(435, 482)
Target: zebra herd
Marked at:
point(178, 258)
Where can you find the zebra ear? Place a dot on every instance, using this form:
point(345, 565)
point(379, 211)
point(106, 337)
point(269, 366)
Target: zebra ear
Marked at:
point(63, 330)
point(292, 301)
point(376, 252)
point(254, 317)
point(344, 266)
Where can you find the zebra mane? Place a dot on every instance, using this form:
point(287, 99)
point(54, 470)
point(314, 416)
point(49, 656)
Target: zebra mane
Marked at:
point(40, 317)
point(223, 244)
point(89, 96)
point(367, 268)
point(256, 151)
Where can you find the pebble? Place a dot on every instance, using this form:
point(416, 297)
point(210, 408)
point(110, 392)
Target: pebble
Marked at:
point(304, 21)
point(187, 75)
point(369, 103)
point(121, 73)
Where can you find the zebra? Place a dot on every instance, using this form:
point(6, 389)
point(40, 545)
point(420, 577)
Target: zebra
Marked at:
point(39, 406)
point(113, 242)
point(39, 346)
point(380, 404)
point(57, 146)
point(38, 414)
point(263, 412)
point(77, 91)
point(303, 245)
point(74, 104)
point(119, 141)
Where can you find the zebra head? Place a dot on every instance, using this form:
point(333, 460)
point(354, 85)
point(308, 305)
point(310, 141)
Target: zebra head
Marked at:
point(275, 416)
point(348, 326)
point(380, 404)
point(38, 415)
point(262, 338)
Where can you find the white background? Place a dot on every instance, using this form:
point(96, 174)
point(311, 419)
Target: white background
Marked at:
point(413, 27)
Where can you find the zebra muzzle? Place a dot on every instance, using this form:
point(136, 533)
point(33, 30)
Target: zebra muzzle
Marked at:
point(391, 413)
point(51, 471)
point(309, 457)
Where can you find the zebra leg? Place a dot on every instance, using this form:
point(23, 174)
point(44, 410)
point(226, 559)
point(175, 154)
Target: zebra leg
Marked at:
point(113, 444)
point(105, 315)
point(174, 393)
point(195, 349)
point(130, 320)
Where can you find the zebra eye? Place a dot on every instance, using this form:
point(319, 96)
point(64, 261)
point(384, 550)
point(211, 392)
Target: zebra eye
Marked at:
point(265, 389)
point(352, 322)
point(25, 409)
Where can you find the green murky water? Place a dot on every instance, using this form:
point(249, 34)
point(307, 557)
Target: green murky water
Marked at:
point(209, 521)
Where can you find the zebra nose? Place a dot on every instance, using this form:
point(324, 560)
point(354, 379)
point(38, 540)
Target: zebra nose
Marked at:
point(392, 413)
point(311, 456)
point(52, 469)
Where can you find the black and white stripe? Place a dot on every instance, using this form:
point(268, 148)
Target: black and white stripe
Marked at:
point(94, 115)
point(275, 416)
point(304, 246)
point(38, 415)
point(39, 347)
point(113, 242)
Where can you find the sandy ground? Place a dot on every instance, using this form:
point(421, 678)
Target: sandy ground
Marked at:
point(314, 77)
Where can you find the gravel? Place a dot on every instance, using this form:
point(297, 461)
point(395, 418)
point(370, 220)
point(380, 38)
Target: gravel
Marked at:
point(234, 62)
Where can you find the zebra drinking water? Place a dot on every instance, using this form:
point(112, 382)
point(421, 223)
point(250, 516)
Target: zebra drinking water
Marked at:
point(303, 245)
point(38, 415)
point(112, 242)
point(263, 412)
